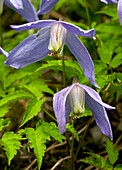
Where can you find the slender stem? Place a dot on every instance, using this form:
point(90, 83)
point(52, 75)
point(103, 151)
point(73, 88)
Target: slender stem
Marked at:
point(48, 113)
point(87, 14)
point(1, 38)
point(63, 76)
point(72, 151)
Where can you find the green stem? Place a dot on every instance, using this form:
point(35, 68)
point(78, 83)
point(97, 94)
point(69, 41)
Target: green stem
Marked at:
point(87, 14)
point(84, 135)
point(72, 151)
point(1, 38)
point(48, 113)
point(63, 76)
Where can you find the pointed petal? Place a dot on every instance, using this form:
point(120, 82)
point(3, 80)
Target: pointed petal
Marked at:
point(46, 6)
point(96, 96)
point(76, 30)
point(100, 115)
point(34, 25)
point(62, 108)
point(32, 49)
point(17, 4)
point(109, 1)
point(28, 11)
point(4, 52)
point(94, 102)
point(120, 10)
point(82, 55)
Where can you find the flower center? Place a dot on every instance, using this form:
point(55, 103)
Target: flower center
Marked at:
point(57, 39)
point(77, 98)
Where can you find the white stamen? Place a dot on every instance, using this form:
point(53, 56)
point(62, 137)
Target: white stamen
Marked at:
point(57, 38)
point(77, 98)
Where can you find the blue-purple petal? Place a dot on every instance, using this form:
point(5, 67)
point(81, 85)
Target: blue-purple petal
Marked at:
point(4, 52)
point(34, 25)
point(28, 11)
point(46, 6)
point(32, 49)
point(120, 10)
point(62, 108)
point(76, 30)
point(82, 55)
point(17, 3)
point(94, 102)
point(109, 1)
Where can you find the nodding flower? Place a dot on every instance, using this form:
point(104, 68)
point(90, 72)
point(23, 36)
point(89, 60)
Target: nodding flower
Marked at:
point(73, 99)
point(50, 40)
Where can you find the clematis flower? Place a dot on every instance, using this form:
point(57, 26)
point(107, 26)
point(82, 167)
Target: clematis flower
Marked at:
point(74, 98)
point(50, 41)
point(46, 6)
point(119, 7)
point(23, 7)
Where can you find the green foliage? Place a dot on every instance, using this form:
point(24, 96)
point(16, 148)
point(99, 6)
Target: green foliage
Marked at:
point(4, 122)
point(112, 152)
point(37, 138)
point(100, 162)
point(72, 130)
point(11, 144)
point(33, 108)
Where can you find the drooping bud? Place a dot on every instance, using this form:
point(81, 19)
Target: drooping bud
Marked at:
point(57, 39)
point(1, 7)
point(77, 98)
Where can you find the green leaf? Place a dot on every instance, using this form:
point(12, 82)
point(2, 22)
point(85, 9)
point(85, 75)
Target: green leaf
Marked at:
point(95, 160)
point(51, 129)
point(37, 139)
point(11, 144)
point(14, 96)
point(4, 122)
point(106, 53)
point(3, 110)
point(112, 152)
point(33, 108)
point(71, 129)
point(118, 167)
point(117, 60)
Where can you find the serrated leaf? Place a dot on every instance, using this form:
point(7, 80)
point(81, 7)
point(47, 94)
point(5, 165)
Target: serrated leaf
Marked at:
point(112, 152)
point(72, 68)
point(4, 122)
point(95, 160)
point(3, 110)
point(11, 144)
point(37, 139)
point(106, 53)
point(33, 108)
point(51, 129)
point(117, 60)
point(14, 96)
point(37, 87)
point(71, 129)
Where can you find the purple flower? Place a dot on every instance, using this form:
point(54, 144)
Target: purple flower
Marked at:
point(50, 41)
point(119, 7)
point(73, 98)
point(46, 6)
point(23, 7)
